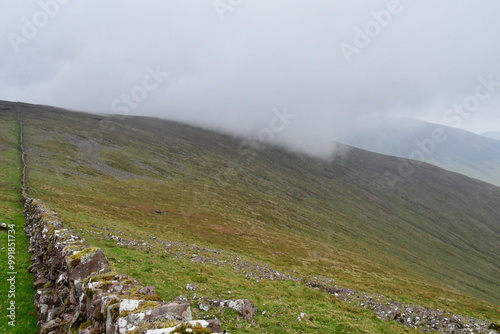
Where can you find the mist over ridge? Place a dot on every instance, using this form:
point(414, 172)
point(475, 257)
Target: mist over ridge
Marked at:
point(335, 65)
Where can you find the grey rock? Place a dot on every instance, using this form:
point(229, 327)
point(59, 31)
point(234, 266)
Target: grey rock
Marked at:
point(93, 262)
point(181, 299)
point(204, 307)
point(243, 306)
point(38, 284)
point(50, 326)
point(148, 290)
point(214, 325)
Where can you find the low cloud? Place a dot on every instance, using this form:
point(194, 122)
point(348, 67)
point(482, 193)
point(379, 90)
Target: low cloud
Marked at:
point(231, 63)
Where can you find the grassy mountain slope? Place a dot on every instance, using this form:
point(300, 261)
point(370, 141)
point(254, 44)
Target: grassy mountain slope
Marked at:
point(460, 151)
point(432, 240)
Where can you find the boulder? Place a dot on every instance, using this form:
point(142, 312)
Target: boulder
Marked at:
point(88, 261)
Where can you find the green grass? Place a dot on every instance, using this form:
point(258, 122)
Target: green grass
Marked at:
point(11, 213)
point(281, 301)
point(433, 241)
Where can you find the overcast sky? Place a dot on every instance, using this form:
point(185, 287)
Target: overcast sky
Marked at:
point(324, 66)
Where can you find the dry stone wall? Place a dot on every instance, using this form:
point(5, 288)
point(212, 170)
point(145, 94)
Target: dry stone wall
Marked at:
point(76, 292)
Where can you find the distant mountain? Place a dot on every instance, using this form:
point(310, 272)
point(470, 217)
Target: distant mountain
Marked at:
point(449, 148)
point(492, 134)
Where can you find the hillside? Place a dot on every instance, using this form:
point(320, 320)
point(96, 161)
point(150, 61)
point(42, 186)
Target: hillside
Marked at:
point(434, 239)
point(460, 151)
point(492, 134)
